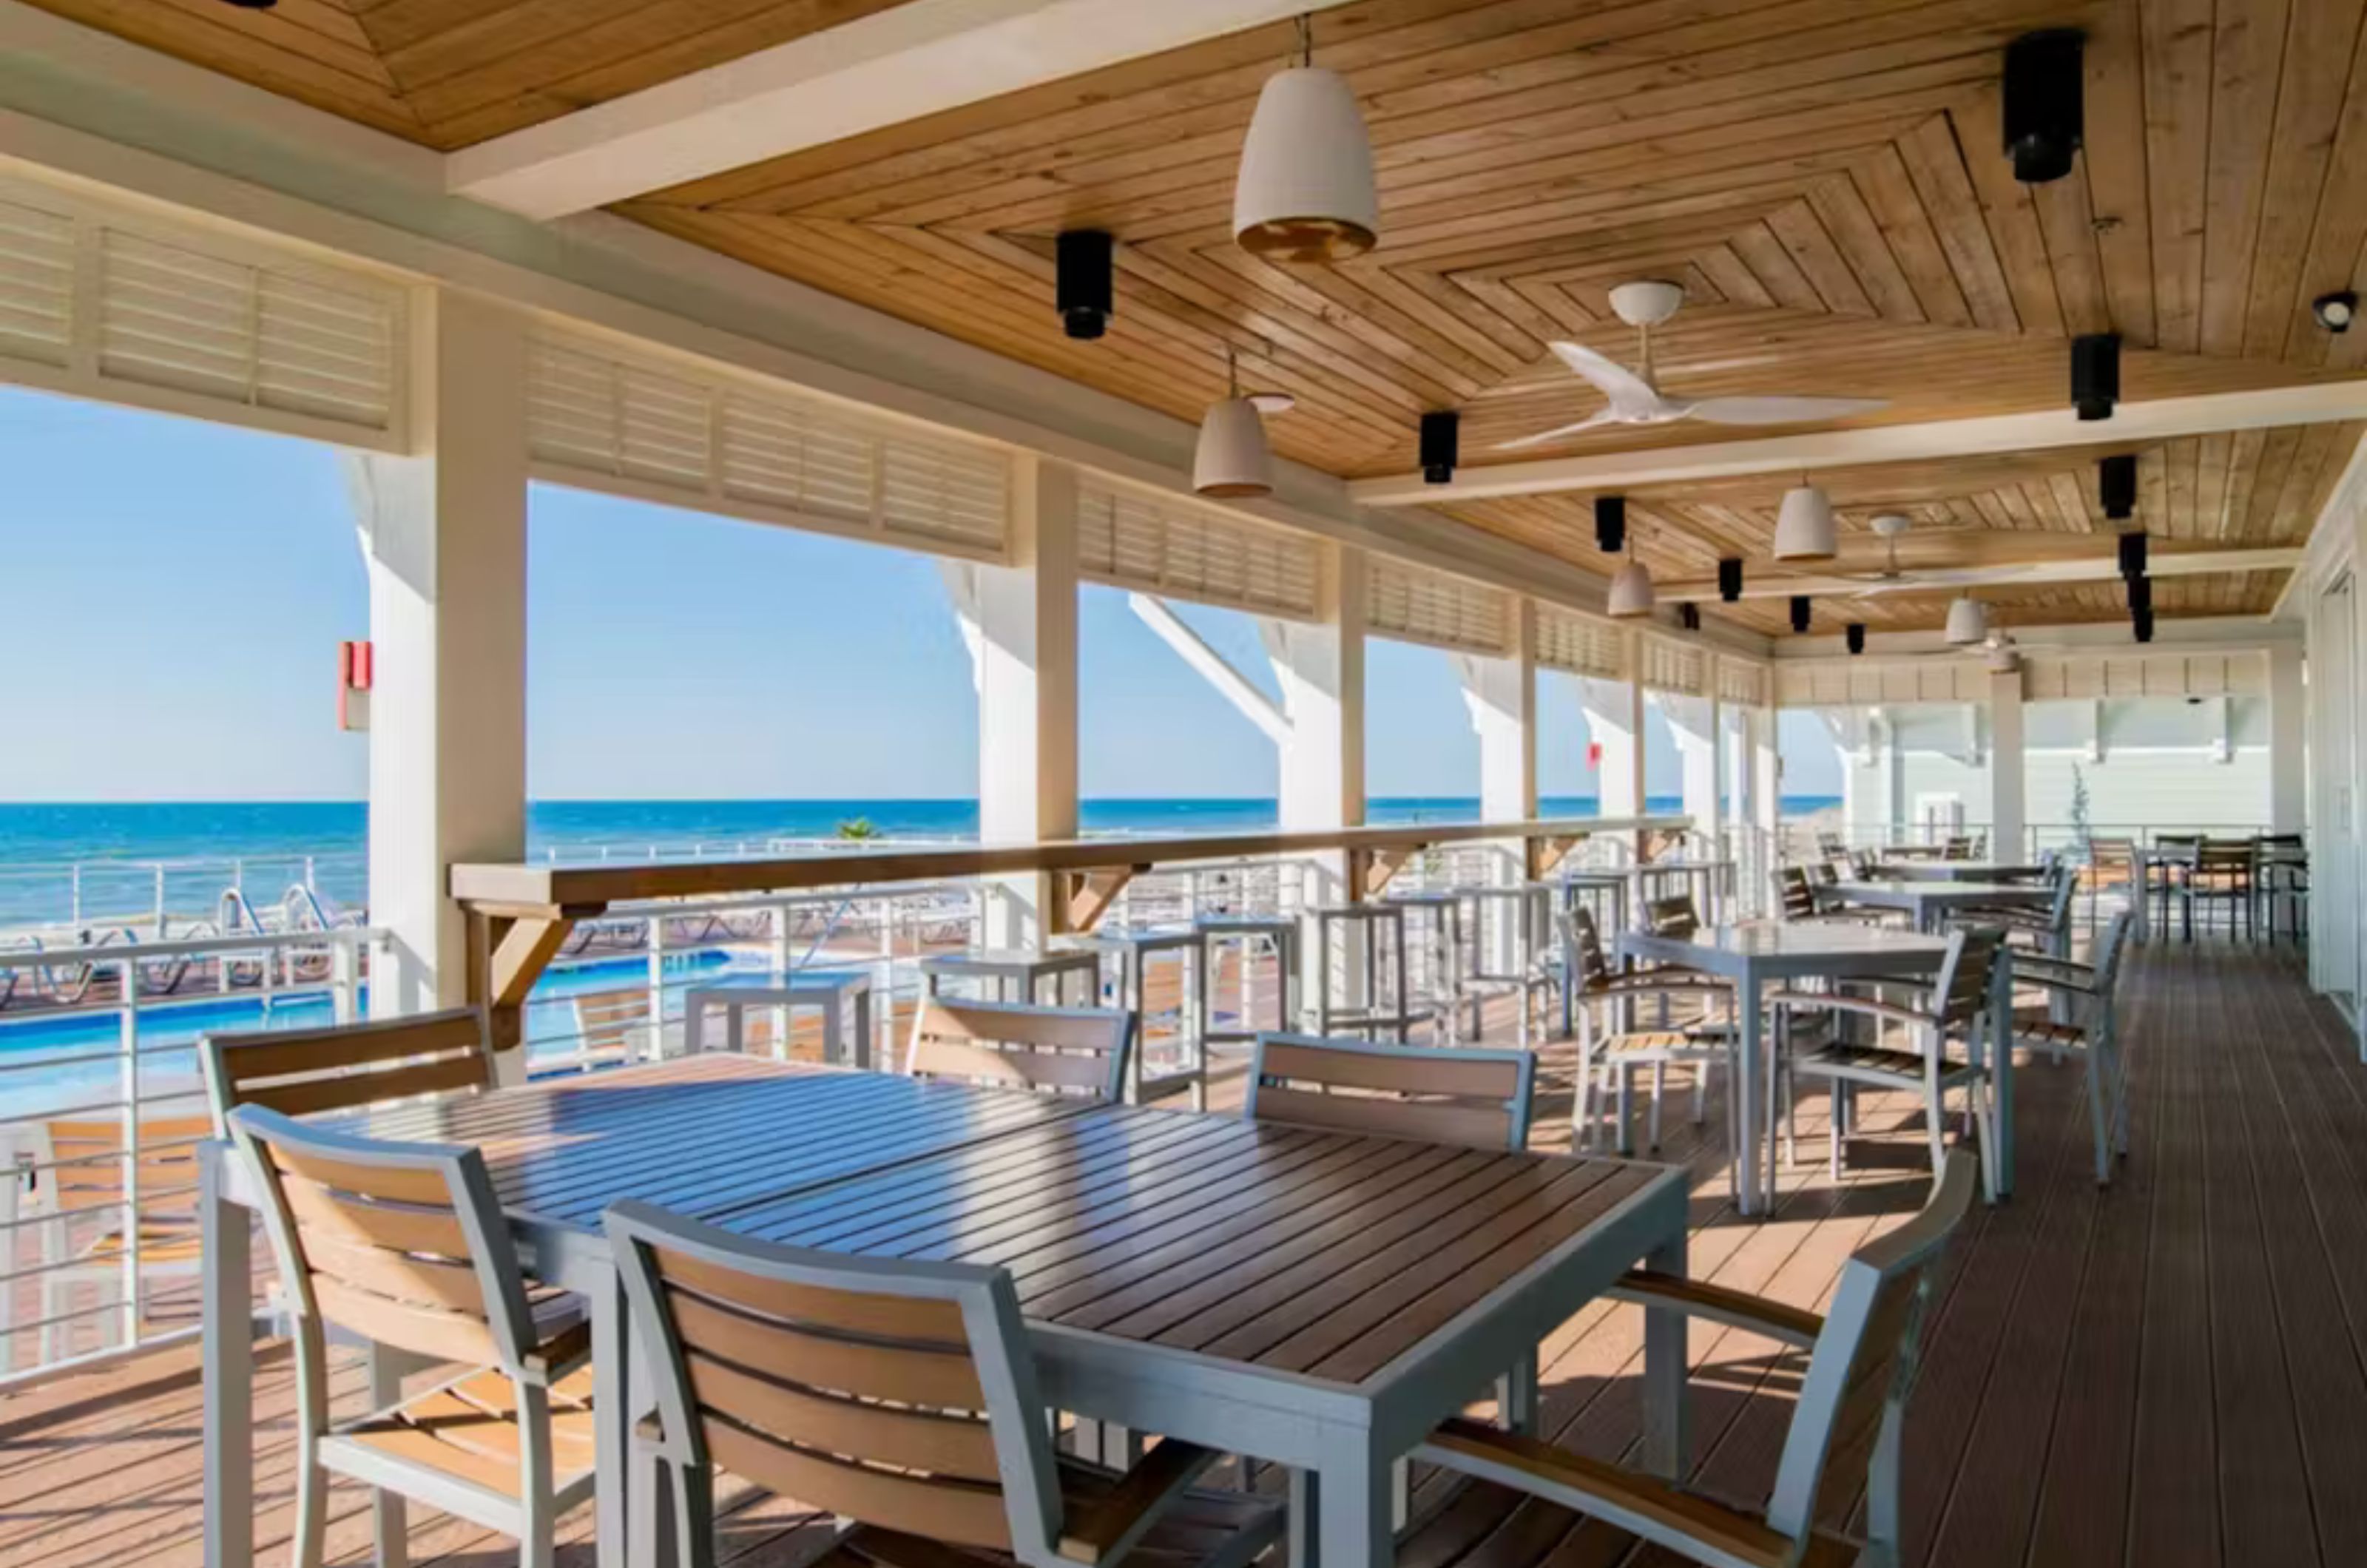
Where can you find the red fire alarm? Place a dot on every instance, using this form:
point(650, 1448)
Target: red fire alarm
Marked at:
point(353, 685)
point(1594, 754)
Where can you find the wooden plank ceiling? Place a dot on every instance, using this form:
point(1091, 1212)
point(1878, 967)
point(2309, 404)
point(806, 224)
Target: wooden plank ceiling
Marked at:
point(1823, 175)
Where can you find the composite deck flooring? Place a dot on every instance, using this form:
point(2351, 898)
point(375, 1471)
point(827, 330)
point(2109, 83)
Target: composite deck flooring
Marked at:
point(2165, 1372)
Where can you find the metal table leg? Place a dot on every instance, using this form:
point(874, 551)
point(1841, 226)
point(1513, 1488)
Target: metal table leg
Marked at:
point(228, 1365)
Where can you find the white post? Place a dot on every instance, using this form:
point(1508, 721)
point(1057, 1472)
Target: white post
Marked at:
point(1615, 721)
point(1021, 622)
point(2288, 725)
point(1693, 724)
point(2007, 781)
point(443, 532)
point(1320, 668)
point(1766, 770)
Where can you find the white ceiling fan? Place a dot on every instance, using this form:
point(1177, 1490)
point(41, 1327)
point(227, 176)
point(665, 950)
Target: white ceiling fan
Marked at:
point(1889, 526)
point(1635, 400)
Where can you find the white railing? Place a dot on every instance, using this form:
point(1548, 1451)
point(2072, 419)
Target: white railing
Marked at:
point(101, 1108)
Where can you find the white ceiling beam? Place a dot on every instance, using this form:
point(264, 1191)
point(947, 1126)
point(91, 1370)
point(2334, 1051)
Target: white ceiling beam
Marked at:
point(1212, 667)
point(903, 63)
point(2158, 420)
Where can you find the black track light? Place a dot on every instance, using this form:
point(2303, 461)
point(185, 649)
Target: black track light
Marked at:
point(1083, 287)
point(1799, 612)
point(2140, 595)
point(2116, 486)
point(2045, 107)
point(1729, 579)
point(1689, 616)
point(1854, 635)
point(252, 5)
point(2133, 554)
point(1440, 445)
point(2096, 374)
point(1609, 524)
point(2141, 623)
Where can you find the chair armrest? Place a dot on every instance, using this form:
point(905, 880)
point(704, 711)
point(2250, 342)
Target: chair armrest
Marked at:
point(1642, 1505)
point(1736, 1309)
point(1863, 1005)
point(1105, 1527)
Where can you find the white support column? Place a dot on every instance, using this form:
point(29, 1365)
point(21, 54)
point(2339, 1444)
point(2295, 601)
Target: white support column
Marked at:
point(1766, 786)
point(1614, 722)
point(2288, 724)
point(442, 534)
point(1693, 724)
point(1021, 623)
point(1501, 695)
point(1321, 670)
point(2009, 779)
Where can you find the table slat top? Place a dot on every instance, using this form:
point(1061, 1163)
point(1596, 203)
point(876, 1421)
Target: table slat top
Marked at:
point(1291, 1249)
point(700, 1133)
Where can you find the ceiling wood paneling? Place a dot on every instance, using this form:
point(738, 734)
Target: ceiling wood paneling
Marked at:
point(449, 72)
point(1824, 176)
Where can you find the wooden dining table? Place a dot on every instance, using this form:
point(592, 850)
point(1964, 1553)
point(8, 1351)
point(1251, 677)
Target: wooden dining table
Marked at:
point(1315, 1299)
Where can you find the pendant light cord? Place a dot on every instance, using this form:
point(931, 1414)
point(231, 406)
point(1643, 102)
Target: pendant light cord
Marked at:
point(1305, 40)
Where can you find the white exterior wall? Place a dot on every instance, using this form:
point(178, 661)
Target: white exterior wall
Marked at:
point(2160, 766)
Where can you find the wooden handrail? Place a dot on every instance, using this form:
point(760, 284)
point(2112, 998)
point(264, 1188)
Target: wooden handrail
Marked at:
point(554, 891)
point(520, 916)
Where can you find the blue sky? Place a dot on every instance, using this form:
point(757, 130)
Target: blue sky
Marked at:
point(172, 594)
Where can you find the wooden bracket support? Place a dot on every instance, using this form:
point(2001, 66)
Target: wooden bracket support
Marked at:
point(1080, 899)
point(1543, 854)
point(1369, 871)
point(520, 955)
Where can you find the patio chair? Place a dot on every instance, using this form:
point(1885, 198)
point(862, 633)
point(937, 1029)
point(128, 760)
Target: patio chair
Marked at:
point(2046, 930)
point(2111, 864)
point(1845, 1427)
point(1449, 1094)
point(1063, 1051)
point(302, 1070)
point(2226, 870)
point(614, 1028)
point(2175, 855)
point(900, 1395)
point(404, 1246)
point(2090, 1033)
point(74, 1198)
point(1611, 1050)
point(1953, 1009)
point(2284, 876)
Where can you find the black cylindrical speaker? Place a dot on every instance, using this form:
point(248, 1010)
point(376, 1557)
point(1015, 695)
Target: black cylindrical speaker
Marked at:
point(1729, 579)
point(2141, 594)
point(1854, 633)
point(1440, 445)
point(2141, 623)
point(1081, 288)
point(2096, 374)
point(1689, 616)
point(1611, 524)
point(2116, 486)
point(2133, 554)
point(2044, 108)
point(1799, 612)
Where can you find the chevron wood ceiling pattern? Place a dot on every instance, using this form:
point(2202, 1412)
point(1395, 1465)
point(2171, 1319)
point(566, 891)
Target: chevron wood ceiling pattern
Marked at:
point(449, 73)
point(1823, 175)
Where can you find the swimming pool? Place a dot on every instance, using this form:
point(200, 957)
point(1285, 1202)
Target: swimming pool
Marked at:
point(50, 1062)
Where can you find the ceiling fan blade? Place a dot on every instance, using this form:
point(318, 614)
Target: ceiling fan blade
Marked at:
point(1782, 410)
point(1601, 417)
point(1614, 380)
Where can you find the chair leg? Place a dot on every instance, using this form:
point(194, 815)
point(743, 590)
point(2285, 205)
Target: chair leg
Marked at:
point(694, 1516)
point(1838, 1122)
point(1660, 1083)
point(389, 1522)
point(309, 1541)
point(1625, 1144)
point(1984, 1095)
point(2096, 1118)
point(1935, 1125)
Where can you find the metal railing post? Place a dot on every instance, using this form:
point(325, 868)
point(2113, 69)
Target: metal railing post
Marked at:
point(657, 985)
point(129, 1036)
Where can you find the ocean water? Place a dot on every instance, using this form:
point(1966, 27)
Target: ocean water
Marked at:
point(196, 849)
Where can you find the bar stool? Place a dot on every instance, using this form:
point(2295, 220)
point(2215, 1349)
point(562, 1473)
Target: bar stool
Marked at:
point(1016, 974)
point(1385, 1008)
point(841, 996)
point(1440, 982)
point(1601, 894)
point(1509, 926)
point(1249, 934)
point(1184, 1066)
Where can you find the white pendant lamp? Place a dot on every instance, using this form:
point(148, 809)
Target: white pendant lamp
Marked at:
point(1631, 591)
point(1968, 623)
point(1232, 461)
point(1304, 192)
point(1803, 525)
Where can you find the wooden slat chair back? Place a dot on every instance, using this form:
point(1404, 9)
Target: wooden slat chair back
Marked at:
point(1464, 1095)
point(899, 1395)
point(1795, 893)
point(615, 1027)
point(1583, 941)
point(1959, 847)
point(1846, 1424)
point(83, 1167)
point(301, 1070)
point(75, 1201)
point(1961, 994)
point(1673, 916)
point(1050, 1050)
point(404, 1245)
